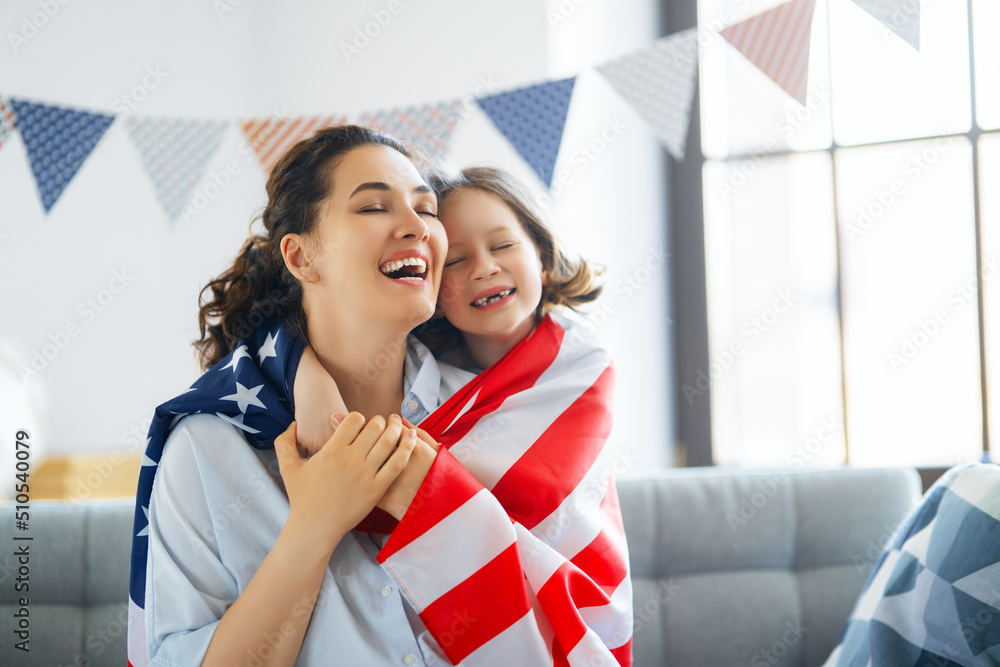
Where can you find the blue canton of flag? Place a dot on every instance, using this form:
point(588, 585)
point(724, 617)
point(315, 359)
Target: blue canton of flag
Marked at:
point(249, 388)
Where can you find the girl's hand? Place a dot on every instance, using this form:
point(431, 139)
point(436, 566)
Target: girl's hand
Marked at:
point(340, 484)
point(422, 434)
point(316, 399)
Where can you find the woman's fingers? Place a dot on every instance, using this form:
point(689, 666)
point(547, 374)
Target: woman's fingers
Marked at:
point(286, 448)
point(397, 461)
point(382, 447)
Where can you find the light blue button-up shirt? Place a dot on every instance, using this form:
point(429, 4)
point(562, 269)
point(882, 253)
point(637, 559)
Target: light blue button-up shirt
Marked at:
point(216, 510)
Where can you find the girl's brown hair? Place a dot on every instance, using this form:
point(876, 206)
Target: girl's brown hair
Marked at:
point(572, 281)
point(258, 287)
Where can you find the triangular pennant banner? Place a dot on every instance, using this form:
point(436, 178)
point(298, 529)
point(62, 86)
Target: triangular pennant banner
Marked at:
point(58, 140)
point(532, 119)
point(426, 128)
point(777, 42)
point(271, 137)
point(7, 123)
point(900, 16)
point(659, 83)
point(174, 153)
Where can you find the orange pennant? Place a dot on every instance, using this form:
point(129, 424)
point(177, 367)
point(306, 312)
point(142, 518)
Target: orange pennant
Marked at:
point(777, 42)
point(271, 137)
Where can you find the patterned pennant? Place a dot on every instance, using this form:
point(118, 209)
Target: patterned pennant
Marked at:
point(900, 16)
point(58, 140)
point(271, 137)
point(174, 153)
point(777, 42)
point(659, 83)
point(425, 129)
point(532, 119)
point(7, 123)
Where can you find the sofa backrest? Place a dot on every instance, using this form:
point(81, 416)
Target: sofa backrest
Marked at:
point(77, 573)
point(754, 568)
point(728, 567)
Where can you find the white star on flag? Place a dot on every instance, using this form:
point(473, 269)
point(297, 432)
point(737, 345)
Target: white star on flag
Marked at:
point(238, 353)
point(245, 397)
point(145, 530)
point(146, 461)
point(267, 349)
point(237, 421)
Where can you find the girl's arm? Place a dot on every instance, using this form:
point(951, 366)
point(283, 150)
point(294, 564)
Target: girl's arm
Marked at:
point(316, 398)
point(328, 495)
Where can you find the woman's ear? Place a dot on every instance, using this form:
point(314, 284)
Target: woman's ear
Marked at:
point(297, 259)
point(545, 277)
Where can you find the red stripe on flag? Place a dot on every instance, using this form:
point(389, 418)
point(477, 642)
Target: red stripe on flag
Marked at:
point(562, 596)
point(508, 376)
point(602, 561)
point(623, 654)
point(561, 457)
point(480, 608)
point(446, 487)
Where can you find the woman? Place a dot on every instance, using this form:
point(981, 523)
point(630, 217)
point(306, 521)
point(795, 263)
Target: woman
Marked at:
point(343, 208)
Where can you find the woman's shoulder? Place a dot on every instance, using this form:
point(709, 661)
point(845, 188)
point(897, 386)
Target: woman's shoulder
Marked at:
point(206, 440)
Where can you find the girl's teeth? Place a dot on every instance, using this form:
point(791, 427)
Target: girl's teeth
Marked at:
point(491, 299)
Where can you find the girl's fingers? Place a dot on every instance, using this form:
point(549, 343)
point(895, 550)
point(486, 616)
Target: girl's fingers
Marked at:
point(422, 434)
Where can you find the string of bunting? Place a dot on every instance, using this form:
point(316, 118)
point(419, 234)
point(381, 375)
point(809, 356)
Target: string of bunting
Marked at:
point(658, 81)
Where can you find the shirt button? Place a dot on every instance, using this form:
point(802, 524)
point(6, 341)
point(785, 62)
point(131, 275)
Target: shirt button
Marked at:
point(387, 591)
point(410, 659)
point(413, 405)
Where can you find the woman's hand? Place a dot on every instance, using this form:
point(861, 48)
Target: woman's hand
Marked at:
point(340, 484)
point(316, 399)
point(403, 490)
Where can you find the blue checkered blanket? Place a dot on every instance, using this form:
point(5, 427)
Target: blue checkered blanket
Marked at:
point(933, 598)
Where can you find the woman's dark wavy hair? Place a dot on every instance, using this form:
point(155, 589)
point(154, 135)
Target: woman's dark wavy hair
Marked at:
point(258, 287)
point(572, 280)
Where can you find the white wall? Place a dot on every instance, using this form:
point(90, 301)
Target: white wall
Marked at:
point(248, 62)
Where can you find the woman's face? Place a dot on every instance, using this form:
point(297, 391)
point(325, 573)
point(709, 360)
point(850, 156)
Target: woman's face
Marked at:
point(493, 274)
point(379, 247)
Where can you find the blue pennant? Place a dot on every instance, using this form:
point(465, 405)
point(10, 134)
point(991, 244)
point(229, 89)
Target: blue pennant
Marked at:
point(532, 119)
point(58, 140)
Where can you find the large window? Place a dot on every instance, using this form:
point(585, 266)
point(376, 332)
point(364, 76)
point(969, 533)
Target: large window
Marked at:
point(853, 244)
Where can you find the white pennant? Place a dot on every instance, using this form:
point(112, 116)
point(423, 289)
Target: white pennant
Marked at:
point(658, 81)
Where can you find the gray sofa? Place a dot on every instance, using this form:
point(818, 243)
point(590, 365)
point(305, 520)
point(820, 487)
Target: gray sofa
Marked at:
point(728, 567)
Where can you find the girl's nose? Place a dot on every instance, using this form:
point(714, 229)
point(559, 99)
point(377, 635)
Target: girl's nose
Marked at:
point(484, 268)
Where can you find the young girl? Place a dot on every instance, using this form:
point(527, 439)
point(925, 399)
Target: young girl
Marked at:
point(529, 433)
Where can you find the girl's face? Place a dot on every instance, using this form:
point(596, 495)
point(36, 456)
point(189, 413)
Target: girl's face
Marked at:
point(493, 275)
point(379, 247)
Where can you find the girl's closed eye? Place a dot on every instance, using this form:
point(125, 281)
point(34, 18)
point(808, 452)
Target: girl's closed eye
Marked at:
point(453, 261)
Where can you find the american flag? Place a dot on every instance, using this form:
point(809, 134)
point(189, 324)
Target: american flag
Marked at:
point(513, 551)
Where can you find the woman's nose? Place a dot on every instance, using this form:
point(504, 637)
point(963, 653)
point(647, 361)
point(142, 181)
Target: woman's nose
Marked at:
point(413, 226)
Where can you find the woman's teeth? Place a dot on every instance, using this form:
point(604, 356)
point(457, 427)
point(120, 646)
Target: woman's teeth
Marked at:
point(418, 272)
point(486, 300)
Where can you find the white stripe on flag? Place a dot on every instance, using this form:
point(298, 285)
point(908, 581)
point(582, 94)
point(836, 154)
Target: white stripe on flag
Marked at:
point(137, 654)
point(519, 644)
point(421, 560)
point(508, 439)
point(612, 622)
